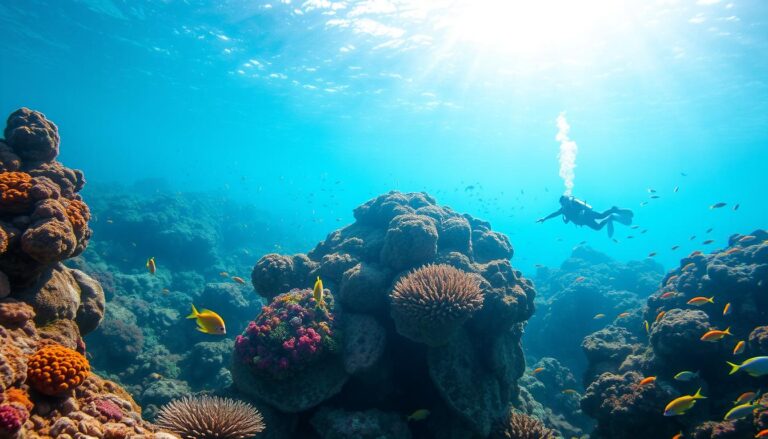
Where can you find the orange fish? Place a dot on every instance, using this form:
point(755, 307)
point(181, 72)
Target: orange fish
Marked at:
point(224, 274)
point(580, 279)
point(151, 267)
point(739, 348)
point(659, 316)
point(727, 309)
point(695, 253)
point(689, 266)
point(763, 433)
point(647, 380)
point(731, 251)
point(623, 315)
point(715, 334)
point(537, 370)
point(678, 436)
point(667, 295)
point(239, 280)
point(701, 300)
point(745, 398)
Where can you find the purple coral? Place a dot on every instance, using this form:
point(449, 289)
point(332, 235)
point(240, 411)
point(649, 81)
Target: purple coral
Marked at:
point(290, 333)
point(11, 419)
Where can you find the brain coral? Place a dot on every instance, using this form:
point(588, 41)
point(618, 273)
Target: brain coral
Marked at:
point(14, 191)
point(431, 303)
point(54, 369)
point(32, 136)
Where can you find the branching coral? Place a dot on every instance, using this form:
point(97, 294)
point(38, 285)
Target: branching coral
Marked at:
point(208, 417)
point(520, 426)
point(290, 333)
point(54, 369)
point(430, 303)
point(15, 190)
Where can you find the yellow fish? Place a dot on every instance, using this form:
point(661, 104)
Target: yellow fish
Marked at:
point(739, 348)
point(741, 411)
point(208, 321)
point(317, 292)
point(699, 301)
point(679, 406)
point(727, 309)
point(647, 328)
point(418, 415)
point(715, 334)
point(537, 370)
point(598, 316)
point(570, 392)
point(239, 280)
point(151, 267)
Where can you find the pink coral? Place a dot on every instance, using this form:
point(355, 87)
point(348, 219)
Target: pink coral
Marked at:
point(291, 332)
point(11, 419)
point(109, 409)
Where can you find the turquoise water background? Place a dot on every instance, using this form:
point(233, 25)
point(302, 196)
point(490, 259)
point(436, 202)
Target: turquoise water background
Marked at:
point(308, 109)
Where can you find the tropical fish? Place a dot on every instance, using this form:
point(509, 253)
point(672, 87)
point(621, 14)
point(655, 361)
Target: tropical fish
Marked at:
point(693, 237)
point(155, 376)
point(208, 322)
point(686, 375)
point(643, 203)
point(239, 280)
point(655, 196)
point(745, 398)
point(224, 274)
point(651, 191)
point(727, 309)
point(679, 435)
point(709, 230)
point(755, 366)
point(667, 295)
point(736, 207)
point(680, 405)
point(695, 253)
point(580, 279)
point(746, 238)
point(647, 380)
point(647, 327)
point(701, 300)
point(537, 370)
point(675, 247)
point(418, 415)
point(317, 292)
point(570, 392)
point(151, 267)
point(731, 251)
point(659, 316)
point(715, 335)
point(677, 188)
point(688, 266)
point(671, 279)
point(651, 254)
point(741, 411)
point(763, 433)
point(633, 227)
point(708, 241)
point(166, 291)
point(718, 205)
point(598, 316)
point(623, 315)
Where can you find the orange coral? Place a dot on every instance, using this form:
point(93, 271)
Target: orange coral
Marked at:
point(54, 369)
point(78, 214)
point(14, 191)
point(19, 396)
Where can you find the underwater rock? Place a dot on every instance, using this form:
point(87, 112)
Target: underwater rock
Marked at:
point(31, 136)
point(369, 424)
point(588, 283)
point(736, 275)
point(606, 349)
point(466, 383)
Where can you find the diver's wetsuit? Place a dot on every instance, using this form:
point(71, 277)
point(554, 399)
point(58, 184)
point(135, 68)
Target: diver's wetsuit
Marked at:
point(580, 213)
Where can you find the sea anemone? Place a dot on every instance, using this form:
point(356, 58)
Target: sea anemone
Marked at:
point(209, 417)
point(431, 302)
point(520, 426)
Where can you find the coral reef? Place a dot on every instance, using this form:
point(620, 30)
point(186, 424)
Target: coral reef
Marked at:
point(208, 417)
point(736, 275)
point(520, 426)
point(588, 283)
point(46, 387)
point(416, 281)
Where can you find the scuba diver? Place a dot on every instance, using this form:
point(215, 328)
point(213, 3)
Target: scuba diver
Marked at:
point(580, 213)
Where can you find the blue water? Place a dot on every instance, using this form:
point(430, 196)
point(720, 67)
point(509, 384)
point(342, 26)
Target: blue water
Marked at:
point(308, 109)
